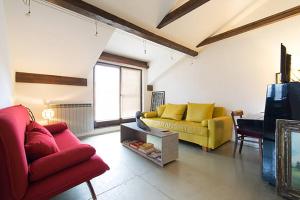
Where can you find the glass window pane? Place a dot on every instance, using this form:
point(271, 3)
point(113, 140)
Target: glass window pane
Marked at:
point(130, 92)
point(107, 93)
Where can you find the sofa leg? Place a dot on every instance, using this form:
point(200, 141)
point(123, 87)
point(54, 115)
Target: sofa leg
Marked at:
point(91, 190)
point(206, 149)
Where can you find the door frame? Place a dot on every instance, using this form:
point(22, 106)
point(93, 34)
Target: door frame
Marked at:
point(101, 124)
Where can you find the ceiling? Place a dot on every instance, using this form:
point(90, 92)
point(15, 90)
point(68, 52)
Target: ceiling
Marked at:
point(158, 57)
point(213, 17)
point(73, 45)
point(188, 30)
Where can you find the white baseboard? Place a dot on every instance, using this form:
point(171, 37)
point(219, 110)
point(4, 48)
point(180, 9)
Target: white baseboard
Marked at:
point(100, 131)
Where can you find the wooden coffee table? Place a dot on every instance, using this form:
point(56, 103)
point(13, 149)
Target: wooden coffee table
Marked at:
point(169, 142)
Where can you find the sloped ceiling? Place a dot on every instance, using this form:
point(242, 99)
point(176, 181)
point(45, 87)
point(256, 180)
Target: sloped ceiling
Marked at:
point(257, 10)
point(53, 41)
point(188, 30)
point(160, 58)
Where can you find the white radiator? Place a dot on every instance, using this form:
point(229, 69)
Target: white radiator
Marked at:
point(79, 117)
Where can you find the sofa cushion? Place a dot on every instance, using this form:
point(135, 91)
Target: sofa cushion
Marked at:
point(54, 163)
point(66, 140)
point(66, 179)
point(174, 111)
point(150, 114)
point(194, 128)
point(160, 110)
point(219, 112)
point(199, 112)
point(39, 144)
point(36, 127)
point(56, 128)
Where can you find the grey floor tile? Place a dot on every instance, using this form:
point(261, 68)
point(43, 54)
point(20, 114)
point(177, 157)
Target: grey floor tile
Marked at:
point(196, 175)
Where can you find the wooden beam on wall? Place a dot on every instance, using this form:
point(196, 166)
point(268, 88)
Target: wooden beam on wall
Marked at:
point(96, 13)
point(22, 77)
point(124, 60)
point(253, 25)
point(181, 11)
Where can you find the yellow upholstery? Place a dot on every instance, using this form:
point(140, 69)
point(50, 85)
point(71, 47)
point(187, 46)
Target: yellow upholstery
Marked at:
point(160, 109)
point(209, 133)
point(150, 114)
point(177, 126)
point(219, 112)
point(220, 131)
point(174, 111)
point(204, 122)
point(199, 112)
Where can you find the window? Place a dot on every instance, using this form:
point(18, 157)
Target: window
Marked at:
point(117, 94)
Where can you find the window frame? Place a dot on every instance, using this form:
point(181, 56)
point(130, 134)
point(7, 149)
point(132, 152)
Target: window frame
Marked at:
point(101, 124)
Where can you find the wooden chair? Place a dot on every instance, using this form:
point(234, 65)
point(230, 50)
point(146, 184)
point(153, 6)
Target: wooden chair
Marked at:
point(253, 129)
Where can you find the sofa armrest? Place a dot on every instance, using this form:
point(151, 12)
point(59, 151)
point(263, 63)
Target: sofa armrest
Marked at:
point(220, 131)
point(56, 128)
point(150, 114)
point(59, 161)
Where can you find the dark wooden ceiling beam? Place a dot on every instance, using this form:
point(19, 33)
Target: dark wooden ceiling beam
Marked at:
point(96, 13)
point(23, 77)
point(253, 25)
point(123, 60)
point(181, 11)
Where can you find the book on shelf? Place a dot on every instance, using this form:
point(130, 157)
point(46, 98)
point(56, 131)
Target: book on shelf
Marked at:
point(136, 145)
point(146, 146)
point(155, 154)
point(158, 158)
point(146, 151)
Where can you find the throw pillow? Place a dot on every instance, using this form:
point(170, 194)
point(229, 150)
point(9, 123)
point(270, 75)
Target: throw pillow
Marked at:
point(150, 114)
point(174, 111)
point(199, 112)
point(160, 110)
point(39, 142)
point(36, 127)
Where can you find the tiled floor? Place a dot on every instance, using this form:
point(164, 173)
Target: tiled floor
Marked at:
point(196, 175)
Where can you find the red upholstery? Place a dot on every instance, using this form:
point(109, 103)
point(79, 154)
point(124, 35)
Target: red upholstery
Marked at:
point(56, 128)
point(66, 140)
point(53, 163)
point(14, 184)
point(14, 177)
point(250, 133)
point(39, 145)
point(36, 127)
point(66, 179)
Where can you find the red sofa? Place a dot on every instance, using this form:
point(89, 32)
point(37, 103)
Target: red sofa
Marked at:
point(15, 180)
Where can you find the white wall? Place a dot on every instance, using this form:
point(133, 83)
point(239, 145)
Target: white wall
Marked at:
point(50, 41)
point(5, 73)
point(234, 72)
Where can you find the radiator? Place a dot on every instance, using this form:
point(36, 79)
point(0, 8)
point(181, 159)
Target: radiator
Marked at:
point(79, 117)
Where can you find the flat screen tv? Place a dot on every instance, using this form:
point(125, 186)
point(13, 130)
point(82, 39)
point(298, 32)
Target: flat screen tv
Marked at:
point(285, 65)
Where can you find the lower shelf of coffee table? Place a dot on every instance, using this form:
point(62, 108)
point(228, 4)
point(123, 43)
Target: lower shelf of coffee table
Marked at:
point(156, 161)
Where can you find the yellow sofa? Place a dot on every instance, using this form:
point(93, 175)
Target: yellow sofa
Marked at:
point(209, 134)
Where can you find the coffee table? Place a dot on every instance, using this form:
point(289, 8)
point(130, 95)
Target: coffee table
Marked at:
point(168, 142)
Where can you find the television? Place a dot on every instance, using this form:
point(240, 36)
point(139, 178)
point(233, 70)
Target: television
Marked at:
point(285, 65)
